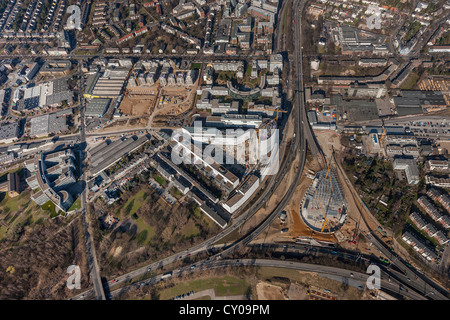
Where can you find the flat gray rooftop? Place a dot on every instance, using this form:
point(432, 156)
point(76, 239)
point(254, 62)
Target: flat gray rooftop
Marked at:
point(97, 107)
point(114, 151)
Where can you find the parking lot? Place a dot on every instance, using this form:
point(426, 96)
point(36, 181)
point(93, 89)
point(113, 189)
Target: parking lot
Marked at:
point(435, 129)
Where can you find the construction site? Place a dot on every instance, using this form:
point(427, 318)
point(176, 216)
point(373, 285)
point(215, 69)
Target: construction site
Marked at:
point(323, 207)
point(160, 90)
point(173, 104)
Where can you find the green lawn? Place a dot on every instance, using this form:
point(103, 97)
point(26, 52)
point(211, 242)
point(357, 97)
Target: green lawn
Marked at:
point(410, 81)
point(190, 230)
point(133, 204)
point(50, 206)
point(224, 286)
point(75, 205)
point(12, 204)
point(197, 212)
point(175, 192)
point(145, 227)
point(160, 180)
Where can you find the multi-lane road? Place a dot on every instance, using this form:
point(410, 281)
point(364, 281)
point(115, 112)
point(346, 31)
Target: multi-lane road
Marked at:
point(303, 139)
point(415, 280)
point(298, 147)
point(357, 279)
point(408, 275)
point(94, 269)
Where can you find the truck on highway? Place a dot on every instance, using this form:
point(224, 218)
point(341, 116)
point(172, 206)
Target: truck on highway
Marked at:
point(167, 275)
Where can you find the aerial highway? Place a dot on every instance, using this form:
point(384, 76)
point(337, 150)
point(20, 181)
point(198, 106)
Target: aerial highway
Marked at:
point(409, 275)
point(346, 276)
point(304, 139)
point(418, 281)
point(298, 147)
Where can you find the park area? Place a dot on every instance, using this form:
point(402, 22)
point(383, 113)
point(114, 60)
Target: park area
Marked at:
point(388, 198)
point(147, 228)
point(21, 212)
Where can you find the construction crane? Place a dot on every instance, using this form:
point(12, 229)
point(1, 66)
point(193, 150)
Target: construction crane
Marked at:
point(331, 190)
point(384, 136)
point(328, 175)
point(325, 222)
point(135, 77)
point(132, 71)
point(355, 235)
point(278, 110)
point(262, 127)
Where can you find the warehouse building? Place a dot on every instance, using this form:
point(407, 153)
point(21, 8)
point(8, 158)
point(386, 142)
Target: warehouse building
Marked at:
point(9, 132)
point(97, 107)
point(367, 90)
point(51, 93)
point(49, 123)
point(356, 110)
point(105, 155)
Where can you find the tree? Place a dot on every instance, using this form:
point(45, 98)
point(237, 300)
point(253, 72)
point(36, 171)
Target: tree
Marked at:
point(248, 292)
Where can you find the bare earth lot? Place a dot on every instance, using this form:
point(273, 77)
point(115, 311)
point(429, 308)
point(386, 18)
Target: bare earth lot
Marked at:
point(137, 106)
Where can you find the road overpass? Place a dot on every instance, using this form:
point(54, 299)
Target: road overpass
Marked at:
point(298, 148)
